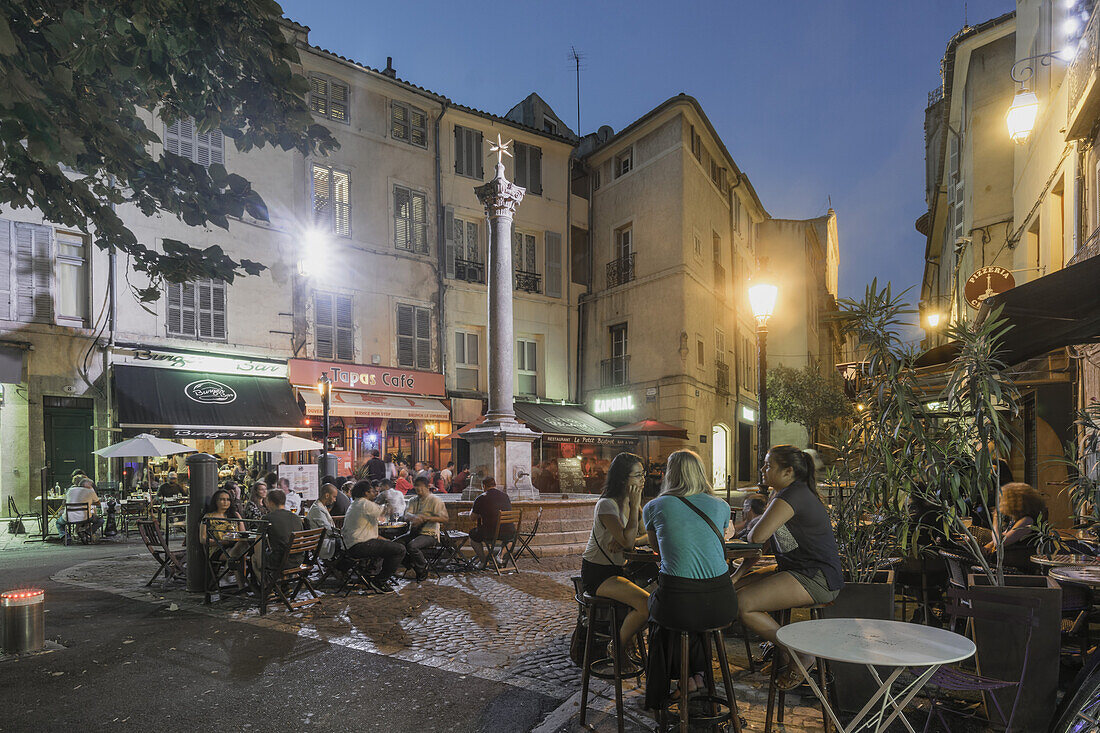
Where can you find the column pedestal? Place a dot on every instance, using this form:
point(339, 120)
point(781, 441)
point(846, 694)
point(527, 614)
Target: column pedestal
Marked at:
point(503, 451)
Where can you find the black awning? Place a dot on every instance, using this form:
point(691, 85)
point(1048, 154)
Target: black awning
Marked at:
point(182, 404)
point(567, 424)
point(1050, 312)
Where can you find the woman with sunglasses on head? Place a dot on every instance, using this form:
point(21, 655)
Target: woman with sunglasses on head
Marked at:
point(615, 528)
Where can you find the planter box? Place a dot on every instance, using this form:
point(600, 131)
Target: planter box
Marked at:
point(998, 657)
point(852, 684)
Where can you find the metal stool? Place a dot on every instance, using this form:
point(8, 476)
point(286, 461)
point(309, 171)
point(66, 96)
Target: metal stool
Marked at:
point(711, 699)
point(784, 619)
point(607, 611)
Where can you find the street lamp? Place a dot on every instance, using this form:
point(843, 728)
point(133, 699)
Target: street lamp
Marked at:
point(933, 319)
point(324, 388)
point(315, 254)
point(762, 296)
point(1021, 115)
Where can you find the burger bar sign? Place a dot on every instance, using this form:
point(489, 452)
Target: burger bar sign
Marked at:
point(364, 378)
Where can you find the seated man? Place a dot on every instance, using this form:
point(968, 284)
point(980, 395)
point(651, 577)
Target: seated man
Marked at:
point(319, 516)
point(361, 538)
point(293, 498)
point(486, 511)
point(81, 492)
point(171, 487)
point(424, 513)
point(390, 499)
point(751, 511)
point(281, 525)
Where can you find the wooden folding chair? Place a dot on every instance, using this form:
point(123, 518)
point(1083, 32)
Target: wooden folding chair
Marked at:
point(171, 562)
point(505, 546)
point(277, 580)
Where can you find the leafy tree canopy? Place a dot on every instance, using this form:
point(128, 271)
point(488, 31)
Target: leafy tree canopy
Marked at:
point(806, 397)
point(75, 78)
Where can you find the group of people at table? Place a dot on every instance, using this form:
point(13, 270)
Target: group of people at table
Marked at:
point(369, 521)
point(688, 526)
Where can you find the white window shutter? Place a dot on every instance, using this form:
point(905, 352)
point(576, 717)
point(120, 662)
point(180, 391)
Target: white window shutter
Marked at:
point(172, 138)
point(420, 222)
point(553, 264)
point(205, 308)
point(338, 101)
point(450, 229)
point(33, 273)
point(318, 95)
point(173, 312)
point(217, 310)
point(5, 270)
point(187, 310)
point(401, 238)
point(187, 138)
point(322, 194)
point(341, 203)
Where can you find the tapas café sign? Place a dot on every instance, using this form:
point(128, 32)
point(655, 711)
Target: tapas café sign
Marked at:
point(364, 378)
point(987, 282)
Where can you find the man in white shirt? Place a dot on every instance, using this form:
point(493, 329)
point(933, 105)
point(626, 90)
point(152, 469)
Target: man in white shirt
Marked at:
point(293, 498)
point(319, 516)
point(390, 499)
point(447, 475)
point(81, 492)
point(360, 533)
point(424, 513)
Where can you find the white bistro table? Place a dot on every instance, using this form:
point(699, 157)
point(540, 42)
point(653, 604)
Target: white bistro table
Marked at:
point(873, 642)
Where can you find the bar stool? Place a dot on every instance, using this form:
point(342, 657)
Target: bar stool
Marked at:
point(784, 619)
point(600, 610)
point(728, 705)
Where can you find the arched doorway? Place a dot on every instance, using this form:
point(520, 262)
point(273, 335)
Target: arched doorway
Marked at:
point(720, 456)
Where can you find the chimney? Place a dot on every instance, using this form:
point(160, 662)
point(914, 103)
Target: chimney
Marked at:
point(389, 70)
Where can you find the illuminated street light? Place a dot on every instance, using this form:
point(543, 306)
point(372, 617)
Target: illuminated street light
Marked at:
point(933, 320)
point(1021, 115)
point(314, 254)
point(762, 297)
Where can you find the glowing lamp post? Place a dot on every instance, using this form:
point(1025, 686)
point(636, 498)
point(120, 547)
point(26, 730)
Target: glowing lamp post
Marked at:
point(1021, 115)
point(762, 297)
point(324, 388)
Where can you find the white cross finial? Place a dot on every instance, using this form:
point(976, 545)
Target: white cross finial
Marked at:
point(501, 149)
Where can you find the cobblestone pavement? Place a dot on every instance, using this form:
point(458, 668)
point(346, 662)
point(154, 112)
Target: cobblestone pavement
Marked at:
point(513, 629)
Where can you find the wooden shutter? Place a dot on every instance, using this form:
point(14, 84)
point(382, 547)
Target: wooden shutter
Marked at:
point(418, 127)
point(423, 338)
point(338, 101)
point(460, 347)
point(172, 138)
point(188, 321)
point(345, 329)
point(5, 270)
point(406, 336)
point(553, 264)
point(521, 165)
point(534, 170)
point(451, 229)
point(399, 121)
point(33, 273)
point(217, 310)
point(460, 149)
point(324, 334)
point(187, 138)
point(205, 309)
point(341, 203)
point(318, 95)
point(419, 222)
point(322, 195)
point(401, 237)
point(173, 312)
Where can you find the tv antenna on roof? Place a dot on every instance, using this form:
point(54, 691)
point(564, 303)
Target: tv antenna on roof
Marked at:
point(577, 61)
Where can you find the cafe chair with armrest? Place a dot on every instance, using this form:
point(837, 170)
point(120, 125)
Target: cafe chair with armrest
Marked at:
point(171, 562)
point(285, 583)
point(505, 546)
point(523, 539)
point(1017, 612)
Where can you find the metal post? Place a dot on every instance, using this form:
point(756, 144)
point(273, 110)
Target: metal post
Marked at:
point(763, 429)
point(327, 463)
point(202, 472)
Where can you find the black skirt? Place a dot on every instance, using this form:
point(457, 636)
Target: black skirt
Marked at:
point(593, 574)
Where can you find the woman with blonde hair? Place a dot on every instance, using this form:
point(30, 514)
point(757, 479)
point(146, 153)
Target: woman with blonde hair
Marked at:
point(686, 524)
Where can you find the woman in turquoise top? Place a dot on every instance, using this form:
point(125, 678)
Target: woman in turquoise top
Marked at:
point(686, 524)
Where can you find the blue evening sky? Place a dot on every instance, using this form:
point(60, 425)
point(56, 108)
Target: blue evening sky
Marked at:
point(813, 99)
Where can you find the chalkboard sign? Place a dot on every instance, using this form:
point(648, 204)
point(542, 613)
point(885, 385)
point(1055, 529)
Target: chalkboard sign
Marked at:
point(570, 477)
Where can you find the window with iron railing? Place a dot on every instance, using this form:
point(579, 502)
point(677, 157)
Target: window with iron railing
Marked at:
point(528, 282)
point(469, 271)
point(620, 271)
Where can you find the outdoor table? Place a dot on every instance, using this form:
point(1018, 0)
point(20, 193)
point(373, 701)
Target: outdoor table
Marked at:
point(1086, 575)
point(1057, 561)
point(734, 551)
point(872, 642)
point(392, 529)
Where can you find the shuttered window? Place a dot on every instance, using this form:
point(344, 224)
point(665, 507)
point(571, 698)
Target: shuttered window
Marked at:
point(32, 274)
point(414, 337)
point(468, 146)
point(408, 124)
point(328, 98)
point(197, 309)
point(410, 220)
point(552, 242)
point(332, 200)
point(527, 370)
point(528, 163)
point(467, 360)
point(333, 326)
point(183, 138)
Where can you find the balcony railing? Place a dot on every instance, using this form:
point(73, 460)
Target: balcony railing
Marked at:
point(722, 378)
point(935, 95)
point(620, 271)
point(528, 282)
point(615, 372)
point(719, 280)
point(1083, 96)
point(470, 271)
point(1090, 248)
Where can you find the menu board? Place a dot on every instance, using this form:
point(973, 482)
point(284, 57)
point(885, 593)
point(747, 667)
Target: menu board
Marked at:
point(570, 477)
point(303, 478)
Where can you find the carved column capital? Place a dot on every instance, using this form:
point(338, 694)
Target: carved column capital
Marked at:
point(500, 197)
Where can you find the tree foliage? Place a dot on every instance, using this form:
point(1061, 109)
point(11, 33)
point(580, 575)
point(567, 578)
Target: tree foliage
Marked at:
point(806, 397)
point(78, 80)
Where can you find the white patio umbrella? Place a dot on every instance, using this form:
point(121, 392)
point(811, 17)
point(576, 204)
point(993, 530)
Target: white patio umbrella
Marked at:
point(283, 443)
point(143, 446)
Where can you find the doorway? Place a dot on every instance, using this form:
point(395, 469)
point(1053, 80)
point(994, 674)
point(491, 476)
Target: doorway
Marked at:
point(744, 453)
point(67, 426)
point(720, 456)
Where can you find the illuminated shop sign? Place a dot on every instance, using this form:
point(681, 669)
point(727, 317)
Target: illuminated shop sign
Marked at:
point(747, 413)
point(605, 405)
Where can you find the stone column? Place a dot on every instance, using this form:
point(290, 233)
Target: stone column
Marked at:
point(501, 447)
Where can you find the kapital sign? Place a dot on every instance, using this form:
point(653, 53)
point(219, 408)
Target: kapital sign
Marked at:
point(361, 377)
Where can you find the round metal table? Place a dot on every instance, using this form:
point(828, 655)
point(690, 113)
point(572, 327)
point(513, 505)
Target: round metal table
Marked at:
point(1086, 575)
point(1058, 561)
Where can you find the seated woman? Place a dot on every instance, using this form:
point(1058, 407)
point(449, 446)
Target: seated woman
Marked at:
point(1023, 506)
point(255, 508)
point(221, 519)
point(686, 524)
point(615, 528)
point(806, 555)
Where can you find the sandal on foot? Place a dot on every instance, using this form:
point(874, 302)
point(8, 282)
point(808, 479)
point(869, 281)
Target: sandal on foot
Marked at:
point(791, 677)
